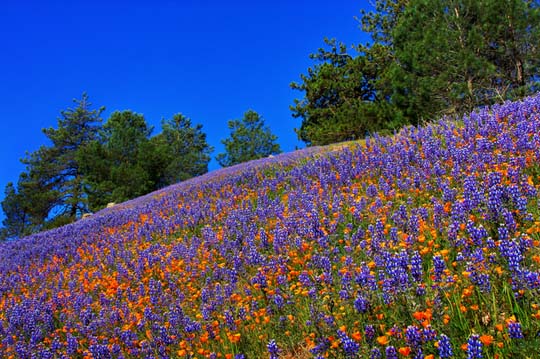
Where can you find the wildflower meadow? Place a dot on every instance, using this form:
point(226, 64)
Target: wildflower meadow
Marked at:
point(425, 244)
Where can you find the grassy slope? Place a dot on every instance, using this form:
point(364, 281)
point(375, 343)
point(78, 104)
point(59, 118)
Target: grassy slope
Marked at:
point(407, 244)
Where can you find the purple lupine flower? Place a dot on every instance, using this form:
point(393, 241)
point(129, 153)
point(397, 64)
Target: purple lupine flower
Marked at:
point(273, 349)
point(413, 227)
point(509, 220)
point(371, 191)
point(413, 336)
point(391, 352)
point(474, 347)
point(514, 330)
point(72, 344)
point(495, 204)
point(279, 301)
point(100, 351)
point(471, 194)
point(350, 347)
point(361, 304)
point(375, 354)
point(322, 346)
point(369, 332)
point(445, 347)
point(428, 333)
point(416, 266)
point(510, 250)
point(438, 267)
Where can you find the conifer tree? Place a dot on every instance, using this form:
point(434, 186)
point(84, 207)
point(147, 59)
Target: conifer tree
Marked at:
point(113, 164)
point(250, 139)
point(50, 192)
point(427, 58)
point(181, 151)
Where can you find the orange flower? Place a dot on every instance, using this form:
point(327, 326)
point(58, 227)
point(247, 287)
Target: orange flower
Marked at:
point(234, 338)
point(382, 340)
point(486, 339)
point(418, 315)
point(446, 319)
point(357, 336)
point(405, 351)
point(149, 334)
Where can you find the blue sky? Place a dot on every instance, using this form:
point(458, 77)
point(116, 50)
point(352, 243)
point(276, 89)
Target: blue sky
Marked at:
point(210, 60)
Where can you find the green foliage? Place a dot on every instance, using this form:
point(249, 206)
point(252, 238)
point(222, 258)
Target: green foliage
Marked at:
point(17, 218)
point(114, 165)
point(126, 162)
point(182, 151)
point(52, 185)
point(89, 165)
point(426, 59)
point(339, 98)
point(485, 51)
point(250, 139)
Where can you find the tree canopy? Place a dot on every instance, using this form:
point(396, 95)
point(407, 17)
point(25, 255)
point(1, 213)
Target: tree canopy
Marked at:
point(90, 164)
point(183, 150)
point(250, 139)
point(427, 58)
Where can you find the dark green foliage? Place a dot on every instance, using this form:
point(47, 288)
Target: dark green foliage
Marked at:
point(467, 54)
point(57, 166)
point(126, 162)
point(427, 59)
point(250, 139)
point(51, 191)
point(181, 151)
point(114, 165)
point(339, 98)
point(89, 165)
point(17, 218)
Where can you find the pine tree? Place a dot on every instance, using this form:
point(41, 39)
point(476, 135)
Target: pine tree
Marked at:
point(16, 222)
point(181, 151)
point(452, 56)
point(426, 59)
point(250, 139)
point(339, 98)
point(53, 181)
point(113, 164)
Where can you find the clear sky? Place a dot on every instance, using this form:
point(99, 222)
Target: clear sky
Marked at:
point(210, 60)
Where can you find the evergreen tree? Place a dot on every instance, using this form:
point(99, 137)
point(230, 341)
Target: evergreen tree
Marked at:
point(181, 151)
point(17, 218)
point(113, 165)
point(250, 139)
point(339, 98)
point(427, 58)
point(487, 51)
point(53, 183)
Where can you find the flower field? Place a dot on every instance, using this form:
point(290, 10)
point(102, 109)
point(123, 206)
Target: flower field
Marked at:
point(421, 245)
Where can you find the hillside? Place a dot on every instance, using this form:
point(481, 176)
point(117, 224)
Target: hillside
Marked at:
point(424, 244)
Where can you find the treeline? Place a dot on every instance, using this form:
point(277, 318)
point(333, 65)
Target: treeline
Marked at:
point(427, 58)
point(90, 163)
